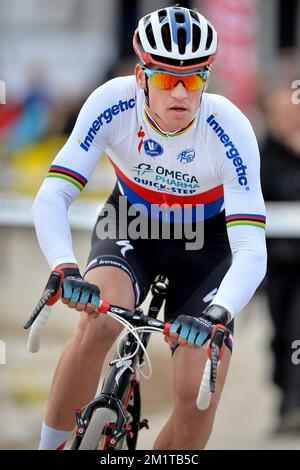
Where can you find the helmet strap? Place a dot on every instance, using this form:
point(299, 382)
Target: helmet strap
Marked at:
point(147, 98)
point(146, 91)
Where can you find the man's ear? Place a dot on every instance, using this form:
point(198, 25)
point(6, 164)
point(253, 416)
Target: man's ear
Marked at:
point(140, 76)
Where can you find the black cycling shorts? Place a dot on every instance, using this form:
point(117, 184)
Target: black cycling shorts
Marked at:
point(194, 275)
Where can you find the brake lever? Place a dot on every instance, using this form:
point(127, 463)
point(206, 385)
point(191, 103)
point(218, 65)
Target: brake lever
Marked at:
point(215, 353)
point(51, 294)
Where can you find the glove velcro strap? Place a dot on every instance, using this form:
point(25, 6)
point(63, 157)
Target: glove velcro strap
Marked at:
point(71, 272)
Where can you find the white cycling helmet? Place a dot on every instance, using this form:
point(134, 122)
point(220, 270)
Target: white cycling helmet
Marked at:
point(176, 37)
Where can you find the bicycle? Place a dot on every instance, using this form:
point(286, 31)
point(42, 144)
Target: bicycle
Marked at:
point(112, 420)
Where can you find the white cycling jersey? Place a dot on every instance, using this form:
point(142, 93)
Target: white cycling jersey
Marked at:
point(213, 163)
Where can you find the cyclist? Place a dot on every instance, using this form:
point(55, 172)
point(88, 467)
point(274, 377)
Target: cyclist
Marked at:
point(189, 153)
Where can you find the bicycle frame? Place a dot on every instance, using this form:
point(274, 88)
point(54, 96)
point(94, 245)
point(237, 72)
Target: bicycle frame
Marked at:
point(120, 385)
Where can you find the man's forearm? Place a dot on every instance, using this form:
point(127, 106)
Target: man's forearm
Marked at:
point(50, 215)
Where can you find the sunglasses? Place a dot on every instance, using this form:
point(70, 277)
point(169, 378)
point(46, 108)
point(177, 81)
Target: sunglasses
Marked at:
point(168, 80)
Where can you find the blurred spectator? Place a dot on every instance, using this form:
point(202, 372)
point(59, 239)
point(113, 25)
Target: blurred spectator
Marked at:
point(32, 122)
point(281, 182)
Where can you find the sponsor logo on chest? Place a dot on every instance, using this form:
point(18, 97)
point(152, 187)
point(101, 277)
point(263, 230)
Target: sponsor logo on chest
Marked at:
point(163, 179)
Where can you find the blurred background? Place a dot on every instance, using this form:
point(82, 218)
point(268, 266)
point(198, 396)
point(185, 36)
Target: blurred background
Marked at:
point(52, 55)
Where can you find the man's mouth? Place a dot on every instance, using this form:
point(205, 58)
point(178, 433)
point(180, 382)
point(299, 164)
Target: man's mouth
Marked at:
point(178, 108)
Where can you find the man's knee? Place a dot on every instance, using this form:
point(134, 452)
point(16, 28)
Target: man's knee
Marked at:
point(95, 335)
point(188, 365)
point(186, 407)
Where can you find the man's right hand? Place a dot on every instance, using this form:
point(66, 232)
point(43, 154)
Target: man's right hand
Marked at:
point(78, 293)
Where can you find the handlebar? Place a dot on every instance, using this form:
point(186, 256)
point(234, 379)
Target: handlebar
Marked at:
point(136, 318)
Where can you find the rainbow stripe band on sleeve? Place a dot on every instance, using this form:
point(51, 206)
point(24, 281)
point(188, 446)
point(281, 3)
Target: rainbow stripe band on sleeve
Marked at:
point(246, 219)
point(78, 180)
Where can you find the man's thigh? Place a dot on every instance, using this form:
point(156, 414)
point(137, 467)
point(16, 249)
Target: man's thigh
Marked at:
point(192, 291)
point(115, 287)
point(128, 256)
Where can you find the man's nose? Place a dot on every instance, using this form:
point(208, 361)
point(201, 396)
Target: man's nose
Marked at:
point(179, 91)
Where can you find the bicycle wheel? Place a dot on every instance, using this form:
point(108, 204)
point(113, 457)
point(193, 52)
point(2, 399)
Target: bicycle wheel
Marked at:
point(94, 437)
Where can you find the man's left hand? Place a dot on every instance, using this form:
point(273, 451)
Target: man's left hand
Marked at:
point(195, 331)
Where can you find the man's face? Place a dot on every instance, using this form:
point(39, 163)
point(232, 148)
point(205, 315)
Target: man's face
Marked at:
point(171, 109)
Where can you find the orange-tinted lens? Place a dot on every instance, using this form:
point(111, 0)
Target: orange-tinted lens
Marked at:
point(166, 81)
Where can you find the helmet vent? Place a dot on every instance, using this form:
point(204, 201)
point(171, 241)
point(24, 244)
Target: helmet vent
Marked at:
point(166, 36)
point(150, 36)
point(162, 15)
point(181, 40)
point(194, 15)
point(209, 37)
point(180, 18)
point(146, 20)
point(196, 37)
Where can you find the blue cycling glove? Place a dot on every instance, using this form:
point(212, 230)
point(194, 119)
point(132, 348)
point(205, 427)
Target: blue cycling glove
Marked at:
point(197, 330)
point(76, 289)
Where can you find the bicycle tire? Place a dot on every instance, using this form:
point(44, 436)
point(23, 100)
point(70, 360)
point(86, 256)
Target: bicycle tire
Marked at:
point(93, 437)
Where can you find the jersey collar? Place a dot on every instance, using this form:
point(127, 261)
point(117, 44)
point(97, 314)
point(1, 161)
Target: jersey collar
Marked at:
point(156, 127)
